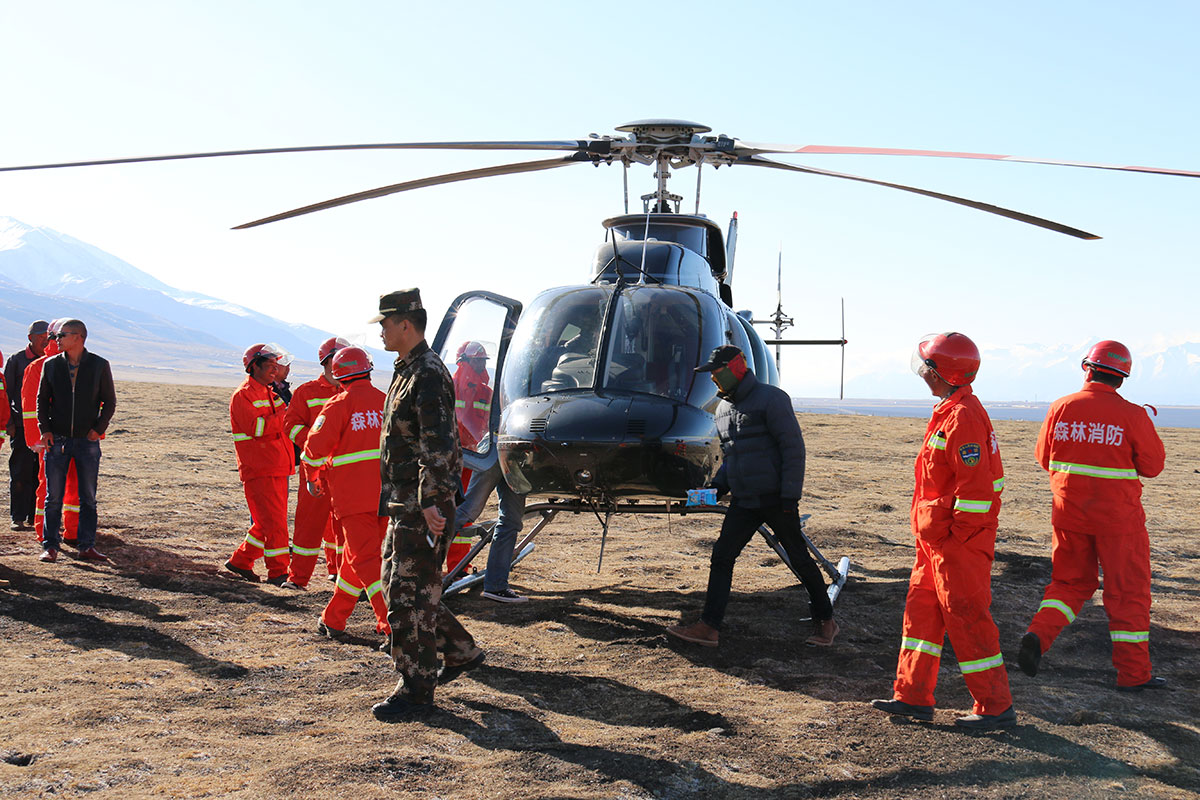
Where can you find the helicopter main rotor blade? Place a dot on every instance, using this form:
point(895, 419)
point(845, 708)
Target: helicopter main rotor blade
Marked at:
point(421, 183)
point(542, 145)
point(760, 161)
point(754, 148)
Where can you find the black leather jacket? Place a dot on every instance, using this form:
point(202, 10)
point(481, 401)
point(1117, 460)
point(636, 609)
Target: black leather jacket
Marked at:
point(72, 411)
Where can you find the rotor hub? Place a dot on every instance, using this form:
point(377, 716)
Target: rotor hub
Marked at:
point(663, 131)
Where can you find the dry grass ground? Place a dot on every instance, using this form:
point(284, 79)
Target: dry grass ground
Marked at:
point(158, 675)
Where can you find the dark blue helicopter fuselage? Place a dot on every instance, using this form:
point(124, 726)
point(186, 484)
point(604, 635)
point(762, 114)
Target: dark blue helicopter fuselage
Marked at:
point(599, 394)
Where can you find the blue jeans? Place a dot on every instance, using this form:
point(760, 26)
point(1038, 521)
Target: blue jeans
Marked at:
point(504, 538)
point(59, 455)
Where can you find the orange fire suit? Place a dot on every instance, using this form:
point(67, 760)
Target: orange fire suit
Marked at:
point(472, 404)
point(265, 459)
point(1095, 445)
point(955, 507)
point(70, 508)
point(342, 450)
point(314, 516)
point(472, 407)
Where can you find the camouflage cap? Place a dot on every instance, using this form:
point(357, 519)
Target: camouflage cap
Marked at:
point(400, 302)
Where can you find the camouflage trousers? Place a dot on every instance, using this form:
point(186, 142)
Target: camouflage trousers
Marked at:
point(421, 626)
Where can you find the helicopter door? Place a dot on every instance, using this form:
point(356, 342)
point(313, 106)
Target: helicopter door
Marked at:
point(472, 342)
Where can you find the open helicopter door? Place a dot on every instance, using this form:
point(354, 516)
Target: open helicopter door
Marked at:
point(472, 341)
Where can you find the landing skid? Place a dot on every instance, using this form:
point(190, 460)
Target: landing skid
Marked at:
point(455, 582)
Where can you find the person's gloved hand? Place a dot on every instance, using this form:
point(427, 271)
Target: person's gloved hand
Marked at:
point(790, 506)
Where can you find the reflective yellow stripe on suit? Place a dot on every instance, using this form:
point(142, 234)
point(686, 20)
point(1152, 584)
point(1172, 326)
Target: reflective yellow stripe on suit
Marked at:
point(1114, 473)
point(920, 645)
point(354, 458)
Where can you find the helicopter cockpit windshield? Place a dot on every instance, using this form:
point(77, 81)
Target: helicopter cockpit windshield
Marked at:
point(556, 343)
point(657, 339)
point(657, 336)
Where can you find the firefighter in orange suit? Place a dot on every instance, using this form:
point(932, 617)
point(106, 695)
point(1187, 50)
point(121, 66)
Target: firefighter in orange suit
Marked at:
point(472, 394)
point(314, 516)
point(29, 392)
point(955, 509)
point(265, 460)
point(472, 407)
point(1096, 445)
point(342, 450)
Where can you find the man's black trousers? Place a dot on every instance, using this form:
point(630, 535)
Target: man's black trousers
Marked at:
point(736, 531)
point(23, 481)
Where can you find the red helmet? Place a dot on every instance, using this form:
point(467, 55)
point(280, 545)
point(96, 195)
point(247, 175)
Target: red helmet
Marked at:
point(1109, 356)
point(952, 356)
point(351, 361)
point(329, 347)
point(265, 352)
point(470, 350)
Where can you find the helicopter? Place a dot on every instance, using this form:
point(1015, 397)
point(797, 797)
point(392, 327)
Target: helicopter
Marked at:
point(599, 409)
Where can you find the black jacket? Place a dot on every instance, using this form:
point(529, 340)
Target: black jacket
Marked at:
point(14, 373)
point(762, 446)
point(73, 411)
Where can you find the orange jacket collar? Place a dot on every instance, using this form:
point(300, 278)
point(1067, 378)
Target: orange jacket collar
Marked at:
point(957, 397)
point(1097, 386)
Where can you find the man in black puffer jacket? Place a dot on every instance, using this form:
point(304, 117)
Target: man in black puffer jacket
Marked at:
point(763, 471)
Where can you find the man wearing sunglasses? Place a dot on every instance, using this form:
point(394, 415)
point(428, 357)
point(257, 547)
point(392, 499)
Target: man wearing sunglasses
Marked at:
point(76, 401)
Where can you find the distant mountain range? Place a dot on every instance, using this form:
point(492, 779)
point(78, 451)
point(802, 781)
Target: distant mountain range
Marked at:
point(149, 330)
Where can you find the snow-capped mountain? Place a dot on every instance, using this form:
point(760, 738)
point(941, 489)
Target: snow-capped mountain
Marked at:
point(149, 329)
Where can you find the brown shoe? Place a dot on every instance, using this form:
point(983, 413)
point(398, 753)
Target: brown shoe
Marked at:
point(49, 555)
point(823, 633)
point(699, 632)
point(92, 554)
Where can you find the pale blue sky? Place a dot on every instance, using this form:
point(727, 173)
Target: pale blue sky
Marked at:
point(1096, 81)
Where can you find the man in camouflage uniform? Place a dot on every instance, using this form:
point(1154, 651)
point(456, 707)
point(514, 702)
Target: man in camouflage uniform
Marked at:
point(421, 465)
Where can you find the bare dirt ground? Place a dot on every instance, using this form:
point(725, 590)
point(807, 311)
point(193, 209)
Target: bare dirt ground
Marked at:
point(158, 675)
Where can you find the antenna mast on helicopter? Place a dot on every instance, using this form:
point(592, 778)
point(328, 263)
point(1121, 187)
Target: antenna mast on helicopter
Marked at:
point(780, 322)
